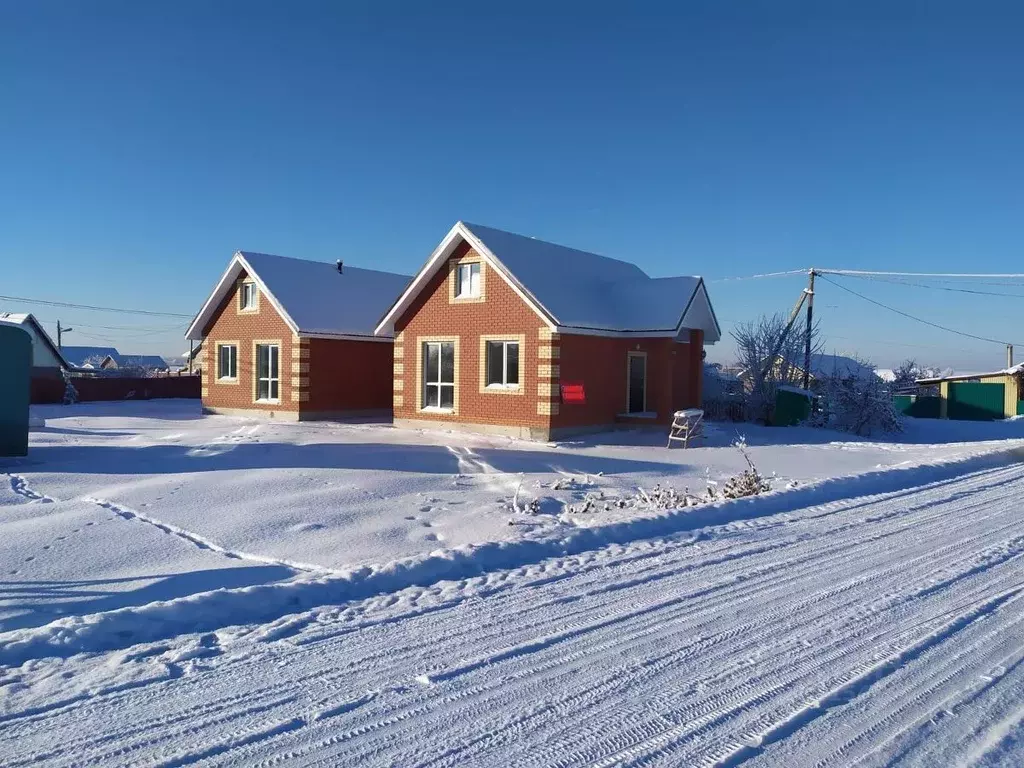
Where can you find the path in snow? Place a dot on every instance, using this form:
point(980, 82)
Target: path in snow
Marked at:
point(882, 629)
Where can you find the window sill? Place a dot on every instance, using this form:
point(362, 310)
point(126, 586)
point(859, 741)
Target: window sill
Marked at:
point(268, 402)
point(503, 388)
point(227, 380)
point(436, 409)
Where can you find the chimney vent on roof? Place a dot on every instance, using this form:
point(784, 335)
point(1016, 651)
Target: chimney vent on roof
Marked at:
point(341, 266)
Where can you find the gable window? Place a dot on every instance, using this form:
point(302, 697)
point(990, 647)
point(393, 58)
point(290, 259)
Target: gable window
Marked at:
point(439, 374)
point(268, 374)
point(247, 296)
point(502, 363)
point(227, 361)
point(468, 285)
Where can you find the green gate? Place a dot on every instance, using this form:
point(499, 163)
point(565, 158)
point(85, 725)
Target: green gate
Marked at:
point(973, 401)
point(16, 352)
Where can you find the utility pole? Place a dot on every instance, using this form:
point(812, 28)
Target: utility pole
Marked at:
point(810, 327)
point(60, 332)
point(1009, 355)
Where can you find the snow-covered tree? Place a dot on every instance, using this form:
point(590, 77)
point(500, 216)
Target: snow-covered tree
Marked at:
point(861, 405)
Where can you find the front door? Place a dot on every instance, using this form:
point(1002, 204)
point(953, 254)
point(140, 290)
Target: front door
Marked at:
point(636, 387)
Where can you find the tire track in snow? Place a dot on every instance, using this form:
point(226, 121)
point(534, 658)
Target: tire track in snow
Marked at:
point(841, 570)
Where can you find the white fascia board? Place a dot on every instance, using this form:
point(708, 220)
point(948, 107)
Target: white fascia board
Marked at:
point(235, 267)
point(440, 254)
point(509, 278)
point(700, 303)
point(439, 257)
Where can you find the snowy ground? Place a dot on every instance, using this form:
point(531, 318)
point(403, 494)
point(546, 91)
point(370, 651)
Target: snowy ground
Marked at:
point(372, 604)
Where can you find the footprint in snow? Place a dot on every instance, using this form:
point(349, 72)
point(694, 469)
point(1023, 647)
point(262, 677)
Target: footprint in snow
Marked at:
point(433, 537)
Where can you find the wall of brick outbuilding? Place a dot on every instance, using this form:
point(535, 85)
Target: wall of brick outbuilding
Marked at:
point(674, 372)
point(347, 376)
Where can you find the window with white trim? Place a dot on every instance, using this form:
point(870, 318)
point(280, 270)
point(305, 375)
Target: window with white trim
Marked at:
point(468, 285)
point(502, 364)
point(268, 373)
point(439, 374)
point(227, 361)
point(247, 296)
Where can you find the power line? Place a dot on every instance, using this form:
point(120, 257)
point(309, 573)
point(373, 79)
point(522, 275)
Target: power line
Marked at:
point(913, 317)
point(758, 277)
point(893, 281)
point(69, 305)
point(861, 272)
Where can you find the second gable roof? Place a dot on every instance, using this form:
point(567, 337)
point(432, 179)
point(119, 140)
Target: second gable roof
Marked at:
point(575, 290)
point(312, 297)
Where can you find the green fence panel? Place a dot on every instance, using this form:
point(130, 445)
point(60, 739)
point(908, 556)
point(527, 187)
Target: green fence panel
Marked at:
point(975, 401)
point(903, 403)
point(1020, 407)
point(15, 386)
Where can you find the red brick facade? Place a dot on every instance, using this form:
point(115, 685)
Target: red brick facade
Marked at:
point(545, 359)
point(318, 377)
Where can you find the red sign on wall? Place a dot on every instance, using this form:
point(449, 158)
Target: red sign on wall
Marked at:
point(574, 393)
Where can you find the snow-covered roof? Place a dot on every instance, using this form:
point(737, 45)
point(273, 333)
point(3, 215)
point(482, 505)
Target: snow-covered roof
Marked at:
point(28, 321)
point(574, 290)
point(1013, 370)
point(149, 362)
point(81, 356)
point(823, 364)
point(313, 297)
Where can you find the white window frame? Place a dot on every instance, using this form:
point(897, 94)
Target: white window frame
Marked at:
point(504, 383)
point(234, 359)
point(270, 378)
point(426, 383)
point(629, 381)
point(467, 280)
point(248, 288)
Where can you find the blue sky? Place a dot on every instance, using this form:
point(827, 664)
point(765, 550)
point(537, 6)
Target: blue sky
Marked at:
point(142, 143)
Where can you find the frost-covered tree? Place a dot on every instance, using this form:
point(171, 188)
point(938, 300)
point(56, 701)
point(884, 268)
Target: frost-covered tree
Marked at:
point(861, 405)
point(770, 356)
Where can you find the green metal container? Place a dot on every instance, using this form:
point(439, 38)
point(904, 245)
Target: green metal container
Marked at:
point(15, 386)
point(791, 407)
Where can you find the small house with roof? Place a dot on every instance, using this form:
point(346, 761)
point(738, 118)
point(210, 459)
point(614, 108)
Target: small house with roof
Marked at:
point(87, 357)
point(294, 339)
point(145, 363)
point(512, 335)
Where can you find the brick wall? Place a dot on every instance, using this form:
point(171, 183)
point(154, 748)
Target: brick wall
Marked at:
point(348, 376)
point(499, 313)
point(231, 325)
point(673, 377)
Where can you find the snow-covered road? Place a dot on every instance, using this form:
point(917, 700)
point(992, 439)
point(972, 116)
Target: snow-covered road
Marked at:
point(875, 630)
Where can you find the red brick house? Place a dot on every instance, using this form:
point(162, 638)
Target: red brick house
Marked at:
point(294, 339)
point(509, 334)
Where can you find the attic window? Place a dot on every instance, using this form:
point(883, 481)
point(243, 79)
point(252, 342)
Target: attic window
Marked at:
point(468, 285)
point(247, 297)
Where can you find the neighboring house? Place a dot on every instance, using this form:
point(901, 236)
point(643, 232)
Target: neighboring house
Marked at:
point(509, 334)
point(134, 362)
point(979, 396)
point(293, 339)
point(193, 359)
point(48, 364)
point(87, 357)
point(823, 366)
point(46, 358)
